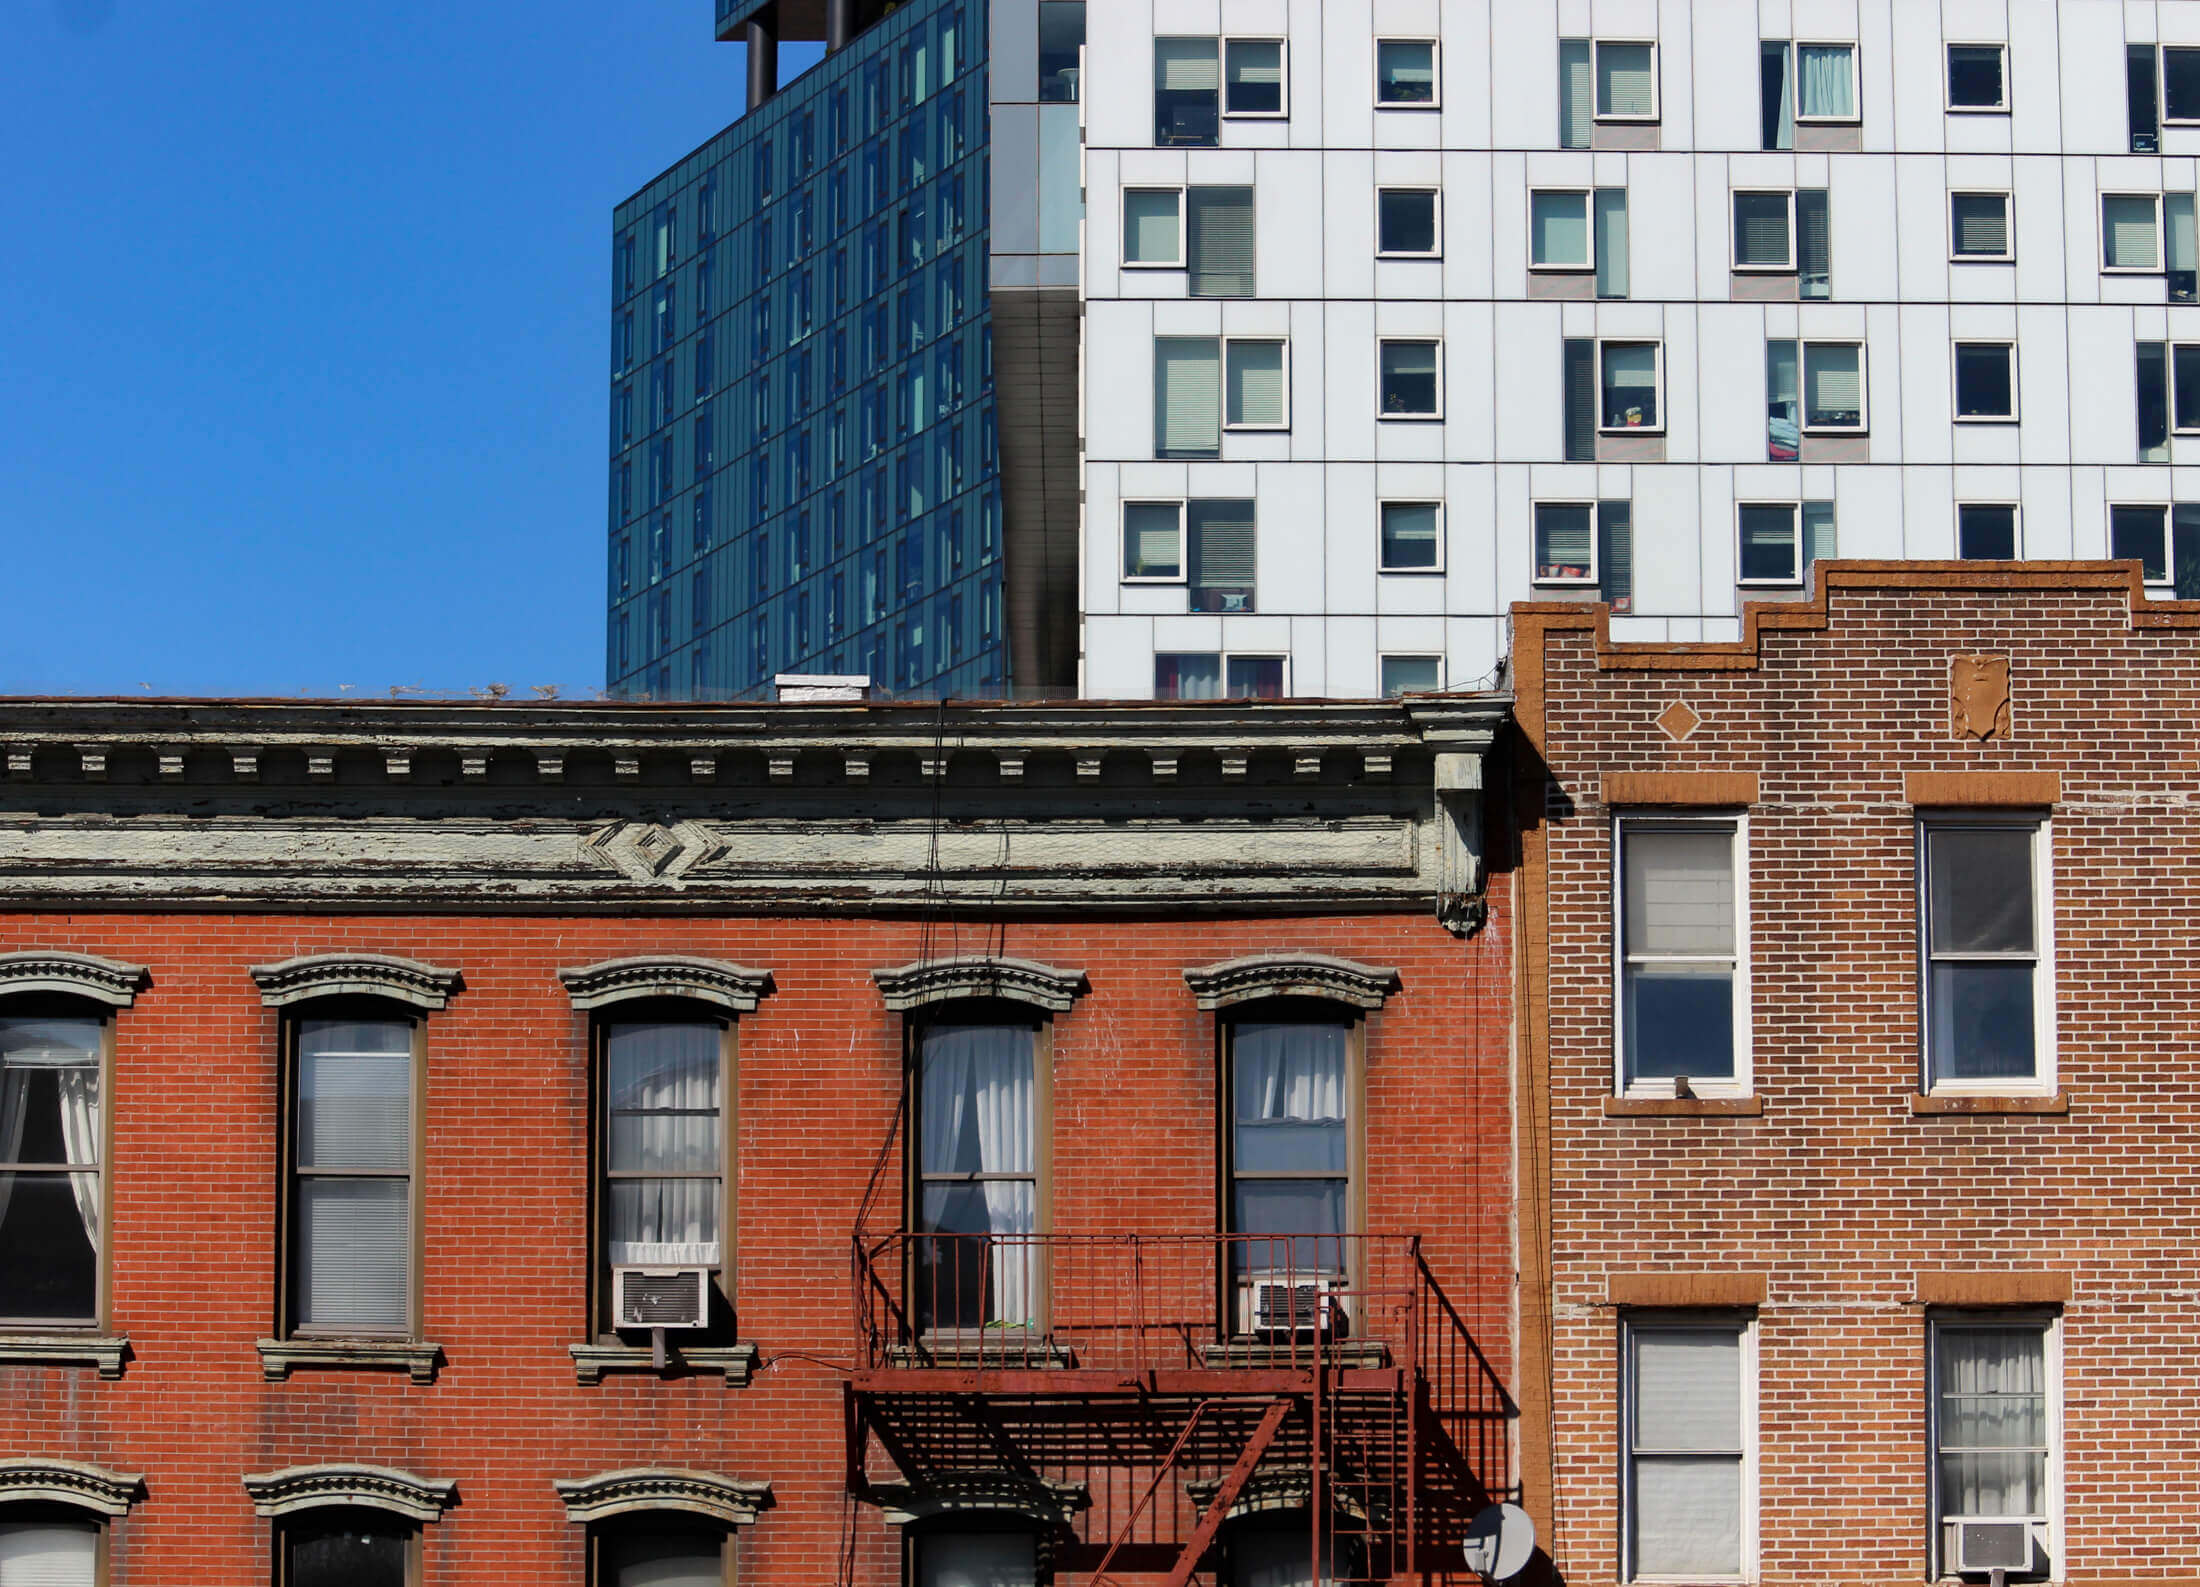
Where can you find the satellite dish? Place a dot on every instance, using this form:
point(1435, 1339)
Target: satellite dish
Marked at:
point(1500, 1542)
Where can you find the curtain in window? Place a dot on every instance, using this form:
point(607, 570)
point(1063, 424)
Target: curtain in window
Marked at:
point(975, 1109)
point(1576, 99)
point(1825, 81)
point(42, 1555)
point(977, 1559)
point(664, 1096)
point(1220, 221)
point(1626, 80)
point(1813, 244)
point(1993, 1421)
point(1775, 103)
point(1290, 1120)
point(1688, 1452)
point(354, 1116)
point(1580, 360)
point(2127, 232)
point(1187, 395)
point(1256, 383)
point(1981, 223)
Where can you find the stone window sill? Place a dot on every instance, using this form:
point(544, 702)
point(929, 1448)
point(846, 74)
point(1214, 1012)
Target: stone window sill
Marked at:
point(104, 1351)
point(737, 1362)
point(1684, 1107)
point(281, 1357)
point(1946, 1106)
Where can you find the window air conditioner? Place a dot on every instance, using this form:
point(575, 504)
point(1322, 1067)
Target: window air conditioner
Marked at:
point(1271, 1303)
point(661, 1297)
point(1979, 1546)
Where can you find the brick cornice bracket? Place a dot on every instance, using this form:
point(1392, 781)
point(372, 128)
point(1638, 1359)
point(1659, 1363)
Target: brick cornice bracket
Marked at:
point(929, 981)
point(84, 975)
point(384, 1488)
point(72, 1482)
point(733, 986)
point(978, 1493)
point(640, 1490)
point(355, 975)
point(1265, 975)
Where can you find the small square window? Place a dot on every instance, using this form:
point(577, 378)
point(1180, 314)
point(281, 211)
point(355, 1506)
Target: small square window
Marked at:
point(1565, 542)
point(1405, 74)
point(1833, 387)
point(1153, 227)
point(1412, 536)
point(1771, 549)
point(2131, 233)
point(1253, 78)
point(1764, 231)
point(1629, 379)
point(1978, 226)
point(1986, 380)
point(1256, 385)
point(1411, 379)
point(1406, 223)
point(2141, 534)
point(1153, 541)
point(1412, 675)
point(1986, 531)
point(1825, 82)
point(1978, 77)
point(1626, 81)
point(1558, 231)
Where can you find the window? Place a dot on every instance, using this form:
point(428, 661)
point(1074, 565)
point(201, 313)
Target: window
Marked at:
point(2184, 361)
point(1764, 231)
point(1683, 950)
point(1576, 95)
point(1565, 542)
point(52, 1149)
point(1559, 231)
point(1405, 74)
point(1988, 996)
point(1994, 1428)
point(345, 1548)
point(1187, 93)
point(1187, 374)
point(353, 1158)
point(976, 1559)
point(2131, 232)
point(1289, 1150)
point(2180, 247)
point(1061, 41)
point(2151, 369)
point(1412, 675)
point(1978, 227)
point(1253, 78)
point(1830, 396)
point(1412, 536)
point(48, 1546)
point(978, 1085)
point(664, 1148)
point(1153, 228)
point(1219, 231)
point(630, 1556)
point(1256, 384)
point(1631, 382)
point(1986, 531)
point(1825, 82)
point(2141, 534)
point(1689, 1473)
point(1411, 379)
point(1223, 539)
point(1986, 380)
point(1977, 77)
point(1278, 1551)
point(1153, 542)
point(2180, 86)
point(1407, 223)
point(1780, 540)
point(1626, 81)
point(1210, 676)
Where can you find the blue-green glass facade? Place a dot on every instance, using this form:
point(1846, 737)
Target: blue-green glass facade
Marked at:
point(804, 469)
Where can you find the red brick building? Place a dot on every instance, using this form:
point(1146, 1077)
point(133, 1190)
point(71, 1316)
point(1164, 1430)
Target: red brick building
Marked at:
point(371, 1076)
point(1858, 1023)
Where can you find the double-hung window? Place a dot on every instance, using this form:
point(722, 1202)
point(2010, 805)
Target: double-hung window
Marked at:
point(1222, 536)
point(1412, 536)
point(1688, 1472)
point(1405, 75)
point(1408, 223)
point(664, 1149)
point(1780, 540)
point(1988, 973)
point(1631, 382)
point(1978, 78)
point(2131, 233)
point(665, 1550)
point(1682, 972)
point(978, 1084)
point(1187, 92)
point(1995, 1422)
point(1254, 82)
point(1291, 1154)
point(1979, 228)
point(1410, 372)
point(50, 1546)
point(1985, 382)
point(1626, 80)
point(52, 1152)
point(353, 1165)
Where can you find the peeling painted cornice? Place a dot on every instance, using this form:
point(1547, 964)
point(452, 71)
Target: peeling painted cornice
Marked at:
point(86, 975)
point(1267, 975)
point(355, 975)
point(370, 1487)
point(72, 1482)
point(946, 980)
point(647, 1489)
point(731, 986)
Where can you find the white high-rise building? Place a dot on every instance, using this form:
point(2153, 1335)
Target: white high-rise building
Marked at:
point(1401, 311)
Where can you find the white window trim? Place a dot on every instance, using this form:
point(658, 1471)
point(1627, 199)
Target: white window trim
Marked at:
point(1182, 259)
point(2050, 1321)
point(1947, 78)
point(2009, 225)
point(2043, 1082)
point(1409, 501)
point(2161, 239)
point(2169, 354)
point(1596, 573)
point(2165, 509)
point(1435, 101)
point(2016, 391)
point(1183, 572)
point(1795, 523)
point(2161, 85)
point(1856, 81)
point(1658, 385)
point(2017, 508)
point(1657, 87)
point(1863, 425)
point(1409, 418)
point(1436, 656)
point(1791, 266)
point(1223, 372)
point(1745, 1322)
point(1587, 195)
point(1436, 193)
point(1742, 1082)
point(1283, 61)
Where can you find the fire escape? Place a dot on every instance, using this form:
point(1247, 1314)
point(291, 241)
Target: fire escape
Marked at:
point(1138, 1394)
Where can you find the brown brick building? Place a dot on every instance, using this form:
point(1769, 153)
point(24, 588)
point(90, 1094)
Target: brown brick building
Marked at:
point(1858, 1019)
point(360, 1066)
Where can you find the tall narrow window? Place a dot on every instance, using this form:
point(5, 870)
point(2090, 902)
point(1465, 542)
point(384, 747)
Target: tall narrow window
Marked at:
point(2180, 85)
point(1993, 1432)
point(1775, 95)
point(977, 1175)
point(353, 1164)
point(1579, 399)
point(1616, 555)
point(664, 1150)
point(2152, 361)
point(1219, 242)
point(345, 1548)
point(1683, 1012)
point(1187, 92)
point(1610, 205)
point(1986, 531)
point(1290, 1161)
point(44, 1546)
point(52, 1189)
point(2142, 99)
point(1985, 996)
point(2184, 362)
point(2141, 534)
point(1187, 396)
point(1688, 1482)
point(1813, 244)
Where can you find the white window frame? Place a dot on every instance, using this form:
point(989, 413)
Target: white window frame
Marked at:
point(2047, 1537)
point(2043, 1082)
point(2009, 225)
point(1410, 501)
point(1742, 1083)
point(1183, 560)
point(1183, 239)
point(1225, 657)
point(1657, 84)
point(1856, 82)
point(2017, 519)
point(1436, 656)
point(1435, 193)
point(2167, 510)
point(1435, 101)
point(1596, 572)
point(2161, 85)
point(1657, 386)
point(2169, 354)
point(1283, 61)
point(1792, 265)
point(1795, 522)
point(2016, 390)
point(2161, 233)
point(1648, 1321)
point(1587, 195)
point(1223, 373)
point(1947, 77)
point(1409, 418)
point(1863, 425)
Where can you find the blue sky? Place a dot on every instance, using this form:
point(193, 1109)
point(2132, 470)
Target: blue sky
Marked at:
point(303, 353)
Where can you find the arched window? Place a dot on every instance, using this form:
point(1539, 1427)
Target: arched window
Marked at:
point(662, 1527)
point(348, 1526)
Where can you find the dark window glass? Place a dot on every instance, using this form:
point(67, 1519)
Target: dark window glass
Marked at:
point(1776, 108)
point(2185, 385)
point(51, 1187)
point(1406, 217)
point(1290, 1152)
point(2141, 533)
point(1061, 36)
point(1409, 379)
point(1770, 552)
point(1974, 76)
point(1253, 77)
point(1187, 93)
point(1254, 678)
point(345, 1549)
point(2181, 84)
point(1813, 243)
point(1985, 380)
point(2153, 378)
point(1986, 532)
point(1616, 555)
point(1581, 400)
point(2184, 534)
point(2140, 98)
point(1982, 952)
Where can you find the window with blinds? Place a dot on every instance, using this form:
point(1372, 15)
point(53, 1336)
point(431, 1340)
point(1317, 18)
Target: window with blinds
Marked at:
point(1626, 81)
point(1153, 541)
point(1222, 536)
point(1405, 74)
point(1409, 375)
point(1687, 1486)
point(2180, 247)
point(49, 1552)
point(647, 1555)
point(1679, 936)
point(1256, 384)
point(1412, 536)
point(1986, 380)
point(1153, 227)
point(1252, 77)
point(1187, 92)
point(1833, 386)
point(1565, 542)
point(2141, 534)
point(1187, 396)
point(1813, 243)
point(1579, 372)
point(1576, 95)
point(352, 1177)
point(1219, 221)
point(1764, 231)
point(1629, 379)
point(1982, 950)
point(2131, 232)
point(1978, 226)
point(1616, 556)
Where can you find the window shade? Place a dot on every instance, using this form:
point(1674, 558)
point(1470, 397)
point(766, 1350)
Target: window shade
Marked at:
point(1255, 383)
point(1981, 222)
point(1687, 1440)
point(1576, 99)
point(1409, 534)
point(1581, 400)
point(1680, 892)
point(1253, 70)
point(1818, 538)
point(1562, 540)
point(1616, 554)
point(1769, 549)
point(354, 1240)
point(1405, 71)
point(1223, 544)
point(1813, 243)
point(2128, 232)
point(48, 1556)
point(1187, 395)
point(1761, 229)
point(355, 1095)
point(1186, 66)
point(1688, 1390)
point(1834, 375)
point(1626, 80)
point(1558, 225)
point(1221, 257)
point(1150, 221)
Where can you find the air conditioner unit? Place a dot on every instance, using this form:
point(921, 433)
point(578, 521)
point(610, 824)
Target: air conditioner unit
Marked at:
point(1977, 1546)
point(661, 1297)
point(1273, 1303)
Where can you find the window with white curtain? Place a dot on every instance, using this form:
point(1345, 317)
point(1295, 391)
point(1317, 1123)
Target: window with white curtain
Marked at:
point(43, 1547)
point(1688, 1474)
point(1683, 1004)
point(52, 1189)
point(1289, 1148)
point(1978, 227)
point(345, 1548)
point(1994, 1426)
point(352, 1165)
point(977, 1175)
point(665, 1145)
point(1626, 81)
point(1988, 994)
point(975, 1559)
point(1825, 82)
point(2131, 233)
point(642, 1553)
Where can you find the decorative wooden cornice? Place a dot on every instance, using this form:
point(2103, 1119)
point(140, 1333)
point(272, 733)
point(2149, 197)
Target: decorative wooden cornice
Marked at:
point(83, 975)
point(640, 1490)
point(714, 981)
point(355, 975)
point(978, 1493)
point(1265, 975)
point(72, 1482)
point(932, 981)
point(367, 1487)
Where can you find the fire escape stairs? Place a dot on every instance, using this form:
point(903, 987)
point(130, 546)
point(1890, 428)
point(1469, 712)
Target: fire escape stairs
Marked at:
point(1226, 1493)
